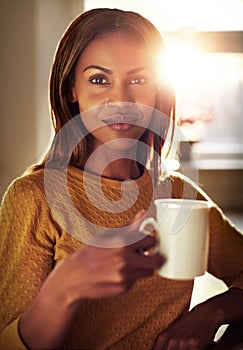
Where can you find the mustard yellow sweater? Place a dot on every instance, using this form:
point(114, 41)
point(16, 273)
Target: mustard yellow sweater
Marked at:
point(34, 237)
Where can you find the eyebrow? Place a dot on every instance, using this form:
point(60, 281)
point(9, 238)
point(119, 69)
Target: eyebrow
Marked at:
point(136, 70)
point(108, 71)
point(92, 66)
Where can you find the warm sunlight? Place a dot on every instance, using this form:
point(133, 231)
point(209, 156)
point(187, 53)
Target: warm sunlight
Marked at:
point(175, 15)
point(205, 69)
point(187, 68)
point(199, 78)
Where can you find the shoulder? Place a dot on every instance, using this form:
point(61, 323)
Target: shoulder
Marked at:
point(28, 187)
point(25, 212)
point(30, 181)
point(182, 186)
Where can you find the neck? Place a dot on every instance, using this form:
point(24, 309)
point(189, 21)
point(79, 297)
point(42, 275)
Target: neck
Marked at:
point(119, 165)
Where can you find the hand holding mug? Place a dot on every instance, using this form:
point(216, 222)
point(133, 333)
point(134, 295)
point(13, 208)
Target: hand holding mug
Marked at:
point(183, 235)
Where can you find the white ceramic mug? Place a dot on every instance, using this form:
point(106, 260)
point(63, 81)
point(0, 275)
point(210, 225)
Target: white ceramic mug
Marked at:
point(183, 236)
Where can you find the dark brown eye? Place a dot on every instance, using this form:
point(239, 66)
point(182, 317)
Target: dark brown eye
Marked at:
point(138, 81)
point(99, 80)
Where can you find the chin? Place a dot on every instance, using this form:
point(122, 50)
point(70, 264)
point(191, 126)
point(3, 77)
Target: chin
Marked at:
point(121, 145)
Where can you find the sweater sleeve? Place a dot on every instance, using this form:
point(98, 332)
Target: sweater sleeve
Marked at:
point(27, 241)
point(226, 242)
point(226, 249)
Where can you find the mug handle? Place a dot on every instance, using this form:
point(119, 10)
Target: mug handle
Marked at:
point(142, 228)
point(145, 222)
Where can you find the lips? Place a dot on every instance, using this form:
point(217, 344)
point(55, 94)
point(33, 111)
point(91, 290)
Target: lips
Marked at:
point(120, 116)
point(120, 127)
point(120, 119)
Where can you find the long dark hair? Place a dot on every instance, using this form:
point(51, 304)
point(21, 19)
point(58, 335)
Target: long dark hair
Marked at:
point(84, 29)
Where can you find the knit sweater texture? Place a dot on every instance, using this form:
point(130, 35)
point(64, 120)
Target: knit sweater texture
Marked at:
point(45, 217)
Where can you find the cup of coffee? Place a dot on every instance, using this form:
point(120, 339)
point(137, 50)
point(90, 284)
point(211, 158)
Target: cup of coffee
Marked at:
point(183, 236)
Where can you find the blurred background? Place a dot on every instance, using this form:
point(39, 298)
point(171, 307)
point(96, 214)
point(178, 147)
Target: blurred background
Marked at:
point(205, 61)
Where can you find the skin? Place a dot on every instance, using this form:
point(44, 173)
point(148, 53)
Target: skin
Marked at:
point(196, 329)
point(105, 272)
point(116, 81)
point(115, 87)
point(45, 324)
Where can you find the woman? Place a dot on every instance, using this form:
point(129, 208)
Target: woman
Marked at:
point(73, 270)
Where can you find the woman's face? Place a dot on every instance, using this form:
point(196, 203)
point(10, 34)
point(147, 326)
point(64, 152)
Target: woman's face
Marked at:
point(115, 89)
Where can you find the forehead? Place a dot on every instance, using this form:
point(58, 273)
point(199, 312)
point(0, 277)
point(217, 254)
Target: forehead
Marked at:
point(119, 48)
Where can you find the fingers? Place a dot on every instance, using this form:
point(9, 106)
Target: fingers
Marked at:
point(163, 343)
point(145, 241)
point(143, 265)
point(151, 261)
point(126, 262)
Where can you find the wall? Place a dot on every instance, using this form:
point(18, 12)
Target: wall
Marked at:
point(29, 32)
point(217, 172)
point(225, 187)
point(17, 89)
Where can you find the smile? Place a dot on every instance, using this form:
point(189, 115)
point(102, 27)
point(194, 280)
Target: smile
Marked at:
point(121, 119)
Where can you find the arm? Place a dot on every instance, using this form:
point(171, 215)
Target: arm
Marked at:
point(197, 328)
point(89, 273)
point(26, 254)
point(47, 299)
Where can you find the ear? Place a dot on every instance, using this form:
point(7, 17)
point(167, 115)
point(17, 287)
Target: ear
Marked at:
point(74, 95)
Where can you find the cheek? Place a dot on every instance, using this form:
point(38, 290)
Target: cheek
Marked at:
point(88, 102)
point(88, 117)
point(146, 96)
point(151, 101)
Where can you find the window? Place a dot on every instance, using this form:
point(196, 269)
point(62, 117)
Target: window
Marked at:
point(205, 60)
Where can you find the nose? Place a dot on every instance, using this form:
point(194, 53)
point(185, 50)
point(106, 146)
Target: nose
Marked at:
point(120, 93)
